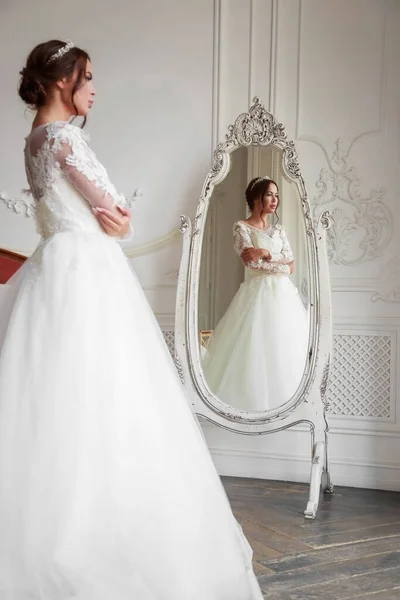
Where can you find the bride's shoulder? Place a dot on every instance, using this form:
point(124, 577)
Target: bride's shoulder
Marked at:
point(238, 225)
point(63, 131)
point(239, 228)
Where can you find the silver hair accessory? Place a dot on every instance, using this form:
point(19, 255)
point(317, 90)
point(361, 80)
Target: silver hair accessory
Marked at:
point(63, 50)
point(258, 181)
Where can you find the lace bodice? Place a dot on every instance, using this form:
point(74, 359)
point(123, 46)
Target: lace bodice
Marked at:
point(66, 180)
point(246, 236)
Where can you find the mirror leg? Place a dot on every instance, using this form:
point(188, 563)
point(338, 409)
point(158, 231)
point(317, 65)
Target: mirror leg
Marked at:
point(326, 482)
point(316, 478)
point(326, 475)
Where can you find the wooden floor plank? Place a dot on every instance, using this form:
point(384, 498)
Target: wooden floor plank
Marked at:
point(332, 572)
point(344, 537)
point(393, 594)
point(350, 551)
point(365, 587)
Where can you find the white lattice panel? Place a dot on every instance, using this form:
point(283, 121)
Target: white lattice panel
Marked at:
point(360, 382)
point(169, 337)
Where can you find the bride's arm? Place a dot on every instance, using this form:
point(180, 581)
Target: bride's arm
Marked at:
point(89, 177)
point(242, 242)
point(116, 225)
point(285, 257)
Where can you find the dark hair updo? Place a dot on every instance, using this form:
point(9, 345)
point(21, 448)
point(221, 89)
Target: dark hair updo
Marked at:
point(39, 74)
point(256, 188)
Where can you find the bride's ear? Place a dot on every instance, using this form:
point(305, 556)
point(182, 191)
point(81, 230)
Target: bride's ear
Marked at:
point(61, 84)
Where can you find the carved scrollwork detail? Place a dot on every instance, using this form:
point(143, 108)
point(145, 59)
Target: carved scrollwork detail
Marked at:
point(309, 224)
point(179, 368)
point(185, 221)
point(389, 283)
point(218, 161)
point(325, 380)
point(134, 197)
point(255, 127)
point(362, 226)
point(304, 290)
point(291, 160)
point(327, 220)
point(24, 206)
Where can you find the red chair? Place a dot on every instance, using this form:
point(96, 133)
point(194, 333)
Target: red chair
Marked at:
point(10, 262)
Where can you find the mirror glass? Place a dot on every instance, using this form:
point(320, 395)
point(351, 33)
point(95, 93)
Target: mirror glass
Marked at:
point(253, 311)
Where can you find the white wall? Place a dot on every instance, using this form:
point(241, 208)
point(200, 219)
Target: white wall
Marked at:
point(328, 70)
point(150, 124)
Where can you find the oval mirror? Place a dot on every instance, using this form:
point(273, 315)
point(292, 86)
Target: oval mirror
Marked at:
point(253, 301)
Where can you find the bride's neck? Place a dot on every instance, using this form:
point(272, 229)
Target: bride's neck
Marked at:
point(260, 221)
point(55, 111)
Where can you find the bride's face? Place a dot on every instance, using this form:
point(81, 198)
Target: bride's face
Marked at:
point(83, 98)
point(270, 199)
point(84, 95)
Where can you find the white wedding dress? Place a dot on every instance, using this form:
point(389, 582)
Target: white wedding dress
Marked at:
point(257, 354)
point(107, 489)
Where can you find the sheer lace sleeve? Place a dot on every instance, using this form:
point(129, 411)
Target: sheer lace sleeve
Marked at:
point(242, 240)
point(81, 167)
point(285, 257)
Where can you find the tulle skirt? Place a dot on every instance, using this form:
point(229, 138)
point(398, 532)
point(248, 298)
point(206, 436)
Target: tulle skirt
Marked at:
point(257, 355)
point(107, 489)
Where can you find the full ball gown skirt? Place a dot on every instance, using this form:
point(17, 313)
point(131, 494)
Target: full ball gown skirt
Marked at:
point(258, 351)
point(256, 358)
point(107, 489)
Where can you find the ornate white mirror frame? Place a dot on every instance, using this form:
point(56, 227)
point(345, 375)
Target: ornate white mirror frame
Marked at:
point(308, 406)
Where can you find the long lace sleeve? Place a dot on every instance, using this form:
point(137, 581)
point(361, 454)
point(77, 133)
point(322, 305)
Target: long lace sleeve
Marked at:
point(81, 167)
point(285, 257)
point(242, 240)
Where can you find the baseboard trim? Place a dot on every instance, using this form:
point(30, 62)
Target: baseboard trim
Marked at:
point(287, 467)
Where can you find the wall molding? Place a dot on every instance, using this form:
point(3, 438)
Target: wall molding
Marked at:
point(387, 288)
point(367, 323)
point(274, 57)
point(26, 206)
point(345, 284)
point(340, 426)
point(383, 475)
point(383, 82)
point(21, 206)
point(216, 69)
point(155, 246)
point(352, 213)
point(133, 251)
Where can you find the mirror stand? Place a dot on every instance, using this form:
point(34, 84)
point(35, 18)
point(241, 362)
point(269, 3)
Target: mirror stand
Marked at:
point(307, 408)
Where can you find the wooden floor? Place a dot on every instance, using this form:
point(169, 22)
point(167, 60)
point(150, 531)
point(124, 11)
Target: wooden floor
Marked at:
point(351, 550)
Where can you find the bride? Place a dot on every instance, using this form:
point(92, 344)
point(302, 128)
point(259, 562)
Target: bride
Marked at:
point(256, 357)
point(107, 489)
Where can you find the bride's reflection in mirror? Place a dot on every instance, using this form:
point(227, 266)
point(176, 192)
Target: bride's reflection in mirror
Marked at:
point(254, 358)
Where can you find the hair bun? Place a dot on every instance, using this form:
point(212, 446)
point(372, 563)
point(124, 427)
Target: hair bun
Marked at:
point(40, 74)
point(30, 89)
